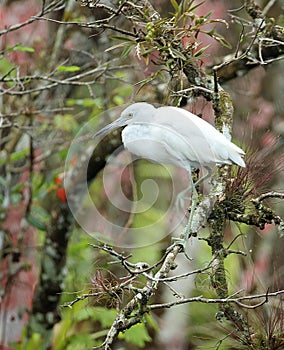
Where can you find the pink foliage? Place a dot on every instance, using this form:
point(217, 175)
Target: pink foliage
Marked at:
point(262, 117)
point(19, 283)
point(18, 268)
point(268, 140)
point(33, 34)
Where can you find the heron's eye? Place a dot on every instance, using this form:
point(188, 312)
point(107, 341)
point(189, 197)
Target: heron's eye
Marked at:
point(130, 115)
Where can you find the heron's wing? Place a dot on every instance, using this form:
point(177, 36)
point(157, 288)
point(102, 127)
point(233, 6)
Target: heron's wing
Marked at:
point(192, 138)
point(197, 140)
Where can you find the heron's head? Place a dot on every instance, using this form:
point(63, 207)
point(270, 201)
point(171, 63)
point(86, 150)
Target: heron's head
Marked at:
point(137, 112)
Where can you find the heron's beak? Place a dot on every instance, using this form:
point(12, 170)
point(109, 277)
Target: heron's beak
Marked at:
point(114, 125)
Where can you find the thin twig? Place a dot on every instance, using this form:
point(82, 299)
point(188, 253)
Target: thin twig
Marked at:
point(271, 194)
point(178, 277)
point(237, 301)
point(54, 6)
point(268, 6)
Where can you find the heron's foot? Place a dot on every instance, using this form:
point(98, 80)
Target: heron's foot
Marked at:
point(181, 243)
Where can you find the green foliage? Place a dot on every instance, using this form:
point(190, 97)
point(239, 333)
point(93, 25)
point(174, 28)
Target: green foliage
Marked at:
point(185, 24)
point(137, 335)
point(33, 342)
point(84, 102)
point(68, 69)
point(219, 38)
point(280, 20)
point(101, 314)
point(82, 326)
point(80, 342)
point(200, 52)
point(173, 42)
point(79, 264)
point(175, 5)
point(65, 122)
point(38, 218)
point(20, 48)
point(7, 69)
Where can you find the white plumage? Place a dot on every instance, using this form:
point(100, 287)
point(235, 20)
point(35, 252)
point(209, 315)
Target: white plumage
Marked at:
point(173, 135)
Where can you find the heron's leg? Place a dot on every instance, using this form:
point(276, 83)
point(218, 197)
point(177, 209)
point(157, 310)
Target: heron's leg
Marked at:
point(183, 196)
point(182, 240)
point(194, 199)
point(205, 177)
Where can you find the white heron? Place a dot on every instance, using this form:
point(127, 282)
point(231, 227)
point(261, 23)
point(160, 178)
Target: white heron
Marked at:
point(173, 135)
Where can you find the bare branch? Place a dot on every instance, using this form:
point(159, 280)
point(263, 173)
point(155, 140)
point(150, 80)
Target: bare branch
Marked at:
point(271, 194)
point(228, 300)
point(55, 5)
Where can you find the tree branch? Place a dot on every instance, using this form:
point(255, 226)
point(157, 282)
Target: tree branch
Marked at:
point(229, 300)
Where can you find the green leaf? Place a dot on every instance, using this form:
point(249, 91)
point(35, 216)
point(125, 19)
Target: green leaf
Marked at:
point(21, 48)
point(104, 316)
point(175, 5)
point(24, 48)
point(222, 40)
point(123, 38)
point(35, 342)
point(38, 218)
point(118, 100)
point(117, 46)
point(8, 69)
point(176, 54)
point(85, 314)
point(218, 38)
point(18, 187)
point(40, 211)
point(208, 15)
point(151, 322)
point(65, 122)
point(194, 7)
point(200, 51)
point(36, 222)
point(101, 314)
point(146, 169)
point(147, 51)
point(85, 102)
point(148, 80)
point(80, 342)
point(126, 51)
point(68, 69)
point(137, 335)
point(16, 156)
point(78, 248)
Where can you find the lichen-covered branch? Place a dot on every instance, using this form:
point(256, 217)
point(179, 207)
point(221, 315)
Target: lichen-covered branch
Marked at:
point(135, 309)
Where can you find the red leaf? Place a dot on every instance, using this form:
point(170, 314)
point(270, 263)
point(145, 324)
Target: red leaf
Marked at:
point(61, 194)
